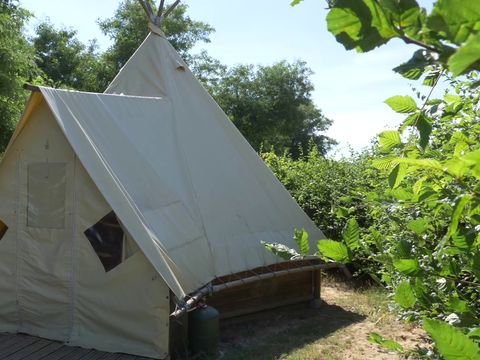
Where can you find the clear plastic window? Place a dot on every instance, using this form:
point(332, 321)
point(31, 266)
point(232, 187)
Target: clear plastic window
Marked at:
point(106, 238)
point(46, 195)
point(3, 229)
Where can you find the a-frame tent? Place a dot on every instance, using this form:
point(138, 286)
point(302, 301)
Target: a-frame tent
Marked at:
point(110, 201)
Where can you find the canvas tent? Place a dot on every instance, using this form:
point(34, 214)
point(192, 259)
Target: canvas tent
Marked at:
point(110, 201)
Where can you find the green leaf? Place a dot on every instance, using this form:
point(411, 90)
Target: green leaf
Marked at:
point(432, 78)
point(388, 140)
point(403, 250)
point(419, 184)
point(397, 175)
point(361, 25)
point(341, 212)
point(422, 293)
point(465, 56)
point(295, 2)
point(404, 295)
point(351, 234)
point(404, 13)
point(424, 127)
point(476, 265)
point(459, 306)
point(421, 163)
point(301, 238)
point(457, 19)
point(463, 239)
point(334, 250)
point(457, 213)
point(419, 226)
point(402, 104)
point(451, 342)
point(415, 67)
point(407, 266)
point(280, 250)
point(380, 340)
point(384, 163)
point(475, 333)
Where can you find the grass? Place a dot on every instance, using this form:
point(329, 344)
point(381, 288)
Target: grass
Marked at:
point(338, 330)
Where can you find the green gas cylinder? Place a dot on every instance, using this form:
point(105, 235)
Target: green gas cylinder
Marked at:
point(204, 330)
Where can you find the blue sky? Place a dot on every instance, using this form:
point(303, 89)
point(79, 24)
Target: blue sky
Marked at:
point(350, 88)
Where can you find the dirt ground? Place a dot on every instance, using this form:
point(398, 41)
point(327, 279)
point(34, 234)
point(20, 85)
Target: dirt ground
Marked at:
point(339, 329)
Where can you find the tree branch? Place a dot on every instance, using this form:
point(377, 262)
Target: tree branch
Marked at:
point(409, 40)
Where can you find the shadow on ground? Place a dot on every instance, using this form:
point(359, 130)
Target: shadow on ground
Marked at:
point(270, 334)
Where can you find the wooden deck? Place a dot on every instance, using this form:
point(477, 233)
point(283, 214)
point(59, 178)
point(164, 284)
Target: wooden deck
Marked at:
point(26, 347)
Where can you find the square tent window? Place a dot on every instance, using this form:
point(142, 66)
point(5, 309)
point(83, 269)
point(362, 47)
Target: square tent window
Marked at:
point(46, 195)
point(106, 237)
point(3, 229)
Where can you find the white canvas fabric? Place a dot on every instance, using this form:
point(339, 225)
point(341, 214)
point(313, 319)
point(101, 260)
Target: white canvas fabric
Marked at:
point(52, 284)
point(193, 194)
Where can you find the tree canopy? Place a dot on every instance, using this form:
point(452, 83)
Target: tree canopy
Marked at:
point(65, 60)
point(128, 28)
point(16, 66)
point(272, 106)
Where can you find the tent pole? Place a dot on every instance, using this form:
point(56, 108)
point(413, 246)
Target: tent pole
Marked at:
point(171, 8)
point(211, 289)
point(160, 8)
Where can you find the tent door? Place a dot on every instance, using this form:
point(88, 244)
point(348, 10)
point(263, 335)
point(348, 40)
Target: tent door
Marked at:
point(45, 246)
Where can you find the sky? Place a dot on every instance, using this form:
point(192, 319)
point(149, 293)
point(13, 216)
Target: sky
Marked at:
point(349, 87)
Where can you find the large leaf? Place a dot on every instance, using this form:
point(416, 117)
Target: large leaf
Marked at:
point(465, 56)
point(388, 140)
point(351, 234)
point(404, 13)
point(451, 342)
point(360, 24)
point(397, 175)
point(301, 238)
point(457, 19)
point(402, 104)
point(404, 295)
point(407, 266)
point(334, 250)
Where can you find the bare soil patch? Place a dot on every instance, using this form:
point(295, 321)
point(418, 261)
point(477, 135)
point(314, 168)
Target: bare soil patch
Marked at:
point(339, 329)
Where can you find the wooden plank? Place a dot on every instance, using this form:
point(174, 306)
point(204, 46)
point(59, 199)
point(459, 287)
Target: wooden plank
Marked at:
point(263, 306)
point(32, 348)
point(19, 343)
point(60, 353)
point(264, 294)
point(7, 341)
point(42, 353)
point(110, 356)
point(91, 355)
point(4, 336)
point(286, 285)
point(127, 357)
